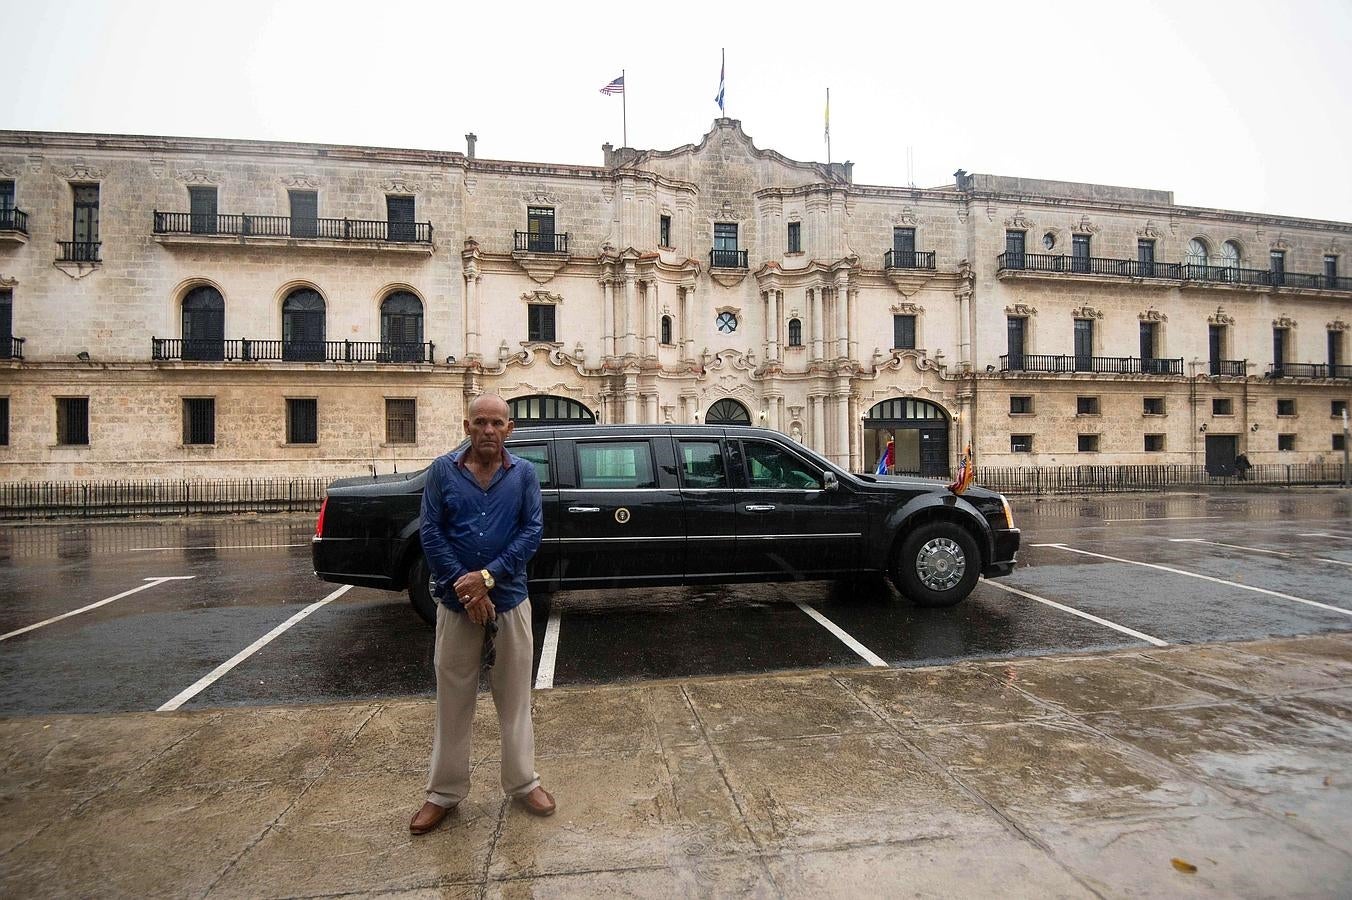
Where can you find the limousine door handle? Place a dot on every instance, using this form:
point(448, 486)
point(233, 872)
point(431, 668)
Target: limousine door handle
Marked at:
point(759, 507)
point(584, 509)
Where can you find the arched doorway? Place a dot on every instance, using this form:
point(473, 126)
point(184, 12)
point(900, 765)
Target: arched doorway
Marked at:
point(546, 409)
point(727, 412)
point(919, 430)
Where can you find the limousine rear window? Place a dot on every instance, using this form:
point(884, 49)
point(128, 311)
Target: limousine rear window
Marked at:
point(702, 465)
point(617, 465)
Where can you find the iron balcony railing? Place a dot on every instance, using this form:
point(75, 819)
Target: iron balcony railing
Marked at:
point(1228, 367)
point(249, 350)
point(727, 259)
point(908, 259)
point(13, 219)
point(1098, 365)
point(1135, 268)
point(1308, 370)
point(13, 349)
point(531, 242)
point(290, 227)
point(78, 251)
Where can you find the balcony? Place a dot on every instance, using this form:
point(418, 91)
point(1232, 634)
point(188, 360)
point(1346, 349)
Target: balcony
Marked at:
point(198, 228)
point(1308, 370)
point(249, 350)
point(78, 251)
point(1092, 365)
point(1016, 264)
point(533, 242)
point(1228, 367)
point(728, 259)
point(13, 225)
point(908, 259)
point(13, 349)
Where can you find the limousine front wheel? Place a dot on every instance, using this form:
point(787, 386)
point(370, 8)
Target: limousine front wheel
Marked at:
point(937, 564)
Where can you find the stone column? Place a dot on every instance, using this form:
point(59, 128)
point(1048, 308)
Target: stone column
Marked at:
point(688, 324)
point(630, 315)
point(650, 409)
point(964, 327)
point(814, 296)
point(472, 314)
point(608, 318)
point(841, 457)
point(630, 398)
point(842, 317)
point(651, 324)
point(852, 307)
point(817, 413)
point(772, 324)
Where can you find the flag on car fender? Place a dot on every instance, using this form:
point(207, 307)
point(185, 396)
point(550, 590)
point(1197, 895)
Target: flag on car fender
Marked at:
point(966, 473)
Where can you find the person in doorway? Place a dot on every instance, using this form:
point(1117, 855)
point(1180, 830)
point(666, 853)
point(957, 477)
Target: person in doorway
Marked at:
point(1242, 466)
point(481, 524)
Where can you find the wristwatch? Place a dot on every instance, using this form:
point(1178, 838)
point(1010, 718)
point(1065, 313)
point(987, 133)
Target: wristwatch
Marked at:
point(488, 578)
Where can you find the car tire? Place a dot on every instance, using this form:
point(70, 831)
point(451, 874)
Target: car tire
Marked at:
point(937, 564)
point(420, 590)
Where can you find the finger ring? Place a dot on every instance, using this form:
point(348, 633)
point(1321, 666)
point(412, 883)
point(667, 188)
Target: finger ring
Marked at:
point(464, 599)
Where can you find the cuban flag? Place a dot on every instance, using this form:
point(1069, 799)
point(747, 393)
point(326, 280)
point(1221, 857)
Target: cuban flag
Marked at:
point(615, 87)
point(886, 460)
point(722, 73)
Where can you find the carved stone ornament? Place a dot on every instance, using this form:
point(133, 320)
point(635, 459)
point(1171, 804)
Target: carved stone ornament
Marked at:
point(399, 183)
point(540, 195)
point(471, 182)
point(727, 208)
point(1280, 243)
point(907, 309)
point(1018, 220)
point(1332, 249)
point(1085, 226)
point(300, 180)
point(82, 171)
point(541, 297)
point(199, 176)
point(1283, 322)
point(1086, 312)
point(1148, 230)
point(1153, 315)
point(8, 281)
point(157, 166)
point(7, 170)
point(1221, 317)
point(1335, 325)
point(905, 217)
point(34, 163)
point(1021, 309)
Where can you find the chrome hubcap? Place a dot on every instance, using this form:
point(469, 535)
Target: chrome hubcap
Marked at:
point(940, 564)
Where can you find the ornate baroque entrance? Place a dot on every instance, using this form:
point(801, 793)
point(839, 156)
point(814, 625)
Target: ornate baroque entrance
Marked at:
point(919, 430)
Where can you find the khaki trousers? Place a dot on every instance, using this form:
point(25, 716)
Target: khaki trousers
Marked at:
point(459, 645)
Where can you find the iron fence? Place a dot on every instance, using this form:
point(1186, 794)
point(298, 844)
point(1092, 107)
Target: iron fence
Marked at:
point(92, 499)
point(1308, 370)
point(908, 259)
point(293, 227)
point(1119, 479)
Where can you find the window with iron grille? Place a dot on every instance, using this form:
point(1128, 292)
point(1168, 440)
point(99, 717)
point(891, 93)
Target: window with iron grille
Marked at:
point(1086, 406)
point(1014, 244)
point(666, 329)
point(1222, 406)
point(302, 421)
point(903, 332)
point(1286, 442)
point(72, 421)
point(4, 421)
point(399, 215)
point(7, 195)
point(202, 203)
point(725, 235)
point(795, 333)
point(1277, 262)
point(85, 229)
point(1286, 407)
point(795, 237)
point(664, 231)
point(1079, 252)
point(401, 421)
point(1088, 443)
point(1152, 406)
point(540, 322)
point(1330, 268)
point(1021, 405)
point(1154, 443)
point(903, 244)
point(1020, 443)
point(1337, 408)
point(199, 420)
point(540, 229)
point(1339, 441)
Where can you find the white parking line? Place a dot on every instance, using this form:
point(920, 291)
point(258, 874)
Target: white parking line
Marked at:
point(216, 547)
point(151, 582)
point(1282, 553)
point(1336, 537)
point(205, 682)
point(549, 651)
point(1083, 615)
point(1171, 569)
point(1162, 519)
point(868, 655)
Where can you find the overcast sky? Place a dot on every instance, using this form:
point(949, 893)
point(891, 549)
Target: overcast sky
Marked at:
point(1240, 105)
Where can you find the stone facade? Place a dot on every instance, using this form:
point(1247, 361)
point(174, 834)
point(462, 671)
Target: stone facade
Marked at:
point(812, 350)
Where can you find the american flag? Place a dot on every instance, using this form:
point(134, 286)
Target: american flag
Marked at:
point(615, 87)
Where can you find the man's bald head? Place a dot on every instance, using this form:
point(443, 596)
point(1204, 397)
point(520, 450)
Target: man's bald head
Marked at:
point(488, 404)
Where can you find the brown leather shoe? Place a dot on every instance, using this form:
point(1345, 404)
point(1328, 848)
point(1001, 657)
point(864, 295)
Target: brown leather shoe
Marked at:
point(538, 802)
point(428, 818)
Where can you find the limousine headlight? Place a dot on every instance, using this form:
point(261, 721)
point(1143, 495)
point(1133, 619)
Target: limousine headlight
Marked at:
point(1009, 513)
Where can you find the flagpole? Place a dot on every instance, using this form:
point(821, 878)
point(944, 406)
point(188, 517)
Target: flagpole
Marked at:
point(624, 106)
point(828, 126)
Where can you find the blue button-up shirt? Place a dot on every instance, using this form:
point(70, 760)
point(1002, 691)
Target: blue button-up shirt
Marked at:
point(466, 528)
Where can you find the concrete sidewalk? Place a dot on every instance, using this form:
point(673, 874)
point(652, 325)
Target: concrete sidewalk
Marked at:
point(1065, 776)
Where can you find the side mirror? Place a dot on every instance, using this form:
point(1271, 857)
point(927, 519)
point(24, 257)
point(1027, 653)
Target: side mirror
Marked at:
point(830, 482)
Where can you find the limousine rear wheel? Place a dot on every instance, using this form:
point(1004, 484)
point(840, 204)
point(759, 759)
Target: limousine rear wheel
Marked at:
point(937, 564)
point(420, 590)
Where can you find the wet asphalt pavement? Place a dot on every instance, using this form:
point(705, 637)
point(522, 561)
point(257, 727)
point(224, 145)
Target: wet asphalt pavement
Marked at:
point(1133, 571)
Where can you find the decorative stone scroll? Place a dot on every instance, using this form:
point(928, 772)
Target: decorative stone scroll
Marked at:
point(1148, 230)
point(1283, 322)
point(1086, 312)
point(1086, 226)
point(1021, 309)
point(300, 180)
point(907, 309)
point(1335, 325)
point(81, 171)
point(905, 217)
point(199, 176)
point(399, 183)
point(542, 297)
point(1153, 315)
point(1018, 220)
point(1220, 317)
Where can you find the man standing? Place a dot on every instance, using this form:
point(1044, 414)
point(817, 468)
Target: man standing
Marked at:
point(481, 524)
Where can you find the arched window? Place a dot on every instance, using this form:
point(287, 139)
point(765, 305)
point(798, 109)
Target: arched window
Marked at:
point(1198, 254)
point(666, 329)
point(203, 324)
point(401, 328)
point(795, 333)
point(1230, 255)
point(303, 326)
point(545, 409)
point(727, 412)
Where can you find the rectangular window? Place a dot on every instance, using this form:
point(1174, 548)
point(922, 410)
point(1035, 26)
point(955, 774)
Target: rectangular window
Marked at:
point(540, 322)
point(4, 421)
point(202, 210)
point(903, 247)
point(85, 229)
point(795, 237)
point(401, 421)
point(7, 199)
point(1277, 264)
point(1335, 341)
point(1152, 406)
point(1016, 328)
point(304, 213)
point(1149, 332)
point(6, 324)
point(1084, 345)
point(1278, 350)
point(1330, 270)
point(1014, 244)
point(702, 465)
point(1286, 442)
point(664, 231)
point(903, 332)
point(199, 420)
point(725, 235)
point(1079, 253)
point(538, 456)
point(399, 214)
point(1088, 443)
point(1154, 443)
point(1216, 347)
point(1339, 441)
point(1337, 408)
point(302, 421)
point(1020, 443)
point(1222, 406)
point(1145, 256)
point(1286, 407)
point(72, 421)
point(1021, 405)
point(1086, 406)
point(615, 464)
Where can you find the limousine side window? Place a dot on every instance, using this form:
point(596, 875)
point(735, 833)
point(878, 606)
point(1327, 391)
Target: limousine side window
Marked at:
point(702, 465)
point(617, 465)
point(538, 455)
point(768, 466)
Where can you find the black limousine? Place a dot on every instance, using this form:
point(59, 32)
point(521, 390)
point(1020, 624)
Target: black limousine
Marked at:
point(631, 506)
